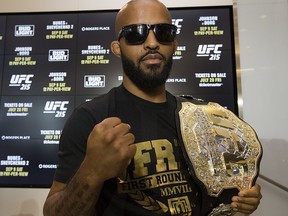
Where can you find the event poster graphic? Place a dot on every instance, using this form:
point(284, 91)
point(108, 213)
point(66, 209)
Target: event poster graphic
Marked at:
point(52, 62)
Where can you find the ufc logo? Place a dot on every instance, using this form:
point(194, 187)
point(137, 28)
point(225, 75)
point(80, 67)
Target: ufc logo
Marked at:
point(177, 22)
point(17, 79)
point(211, 50)
point(57, 107)
point(54, 105)
point(22, 80)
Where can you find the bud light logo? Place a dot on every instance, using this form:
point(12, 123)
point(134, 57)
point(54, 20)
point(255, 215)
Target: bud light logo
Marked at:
point(58, 55)
point(94, 81)
point(24, 30)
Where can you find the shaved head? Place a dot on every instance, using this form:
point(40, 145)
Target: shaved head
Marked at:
point(146, 65)
point(142, 11)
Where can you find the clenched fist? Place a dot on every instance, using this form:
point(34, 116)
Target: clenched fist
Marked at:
point(110, 149)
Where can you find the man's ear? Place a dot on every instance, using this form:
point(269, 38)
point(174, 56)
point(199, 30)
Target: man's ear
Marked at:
point(115, 48)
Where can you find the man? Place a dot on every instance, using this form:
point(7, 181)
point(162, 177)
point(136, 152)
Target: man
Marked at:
point(119, 153)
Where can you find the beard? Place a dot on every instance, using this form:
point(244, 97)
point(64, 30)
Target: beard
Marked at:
point(147, 80)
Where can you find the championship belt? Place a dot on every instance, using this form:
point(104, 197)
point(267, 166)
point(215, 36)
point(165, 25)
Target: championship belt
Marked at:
point(222, 151)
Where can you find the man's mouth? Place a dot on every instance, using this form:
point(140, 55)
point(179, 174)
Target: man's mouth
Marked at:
point(152, 59)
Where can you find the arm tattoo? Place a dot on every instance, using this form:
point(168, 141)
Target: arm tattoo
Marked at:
point(77, 199)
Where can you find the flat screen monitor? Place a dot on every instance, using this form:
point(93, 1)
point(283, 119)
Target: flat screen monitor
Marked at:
point(50, 62)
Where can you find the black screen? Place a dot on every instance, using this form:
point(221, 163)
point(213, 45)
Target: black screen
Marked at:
point(52, 62)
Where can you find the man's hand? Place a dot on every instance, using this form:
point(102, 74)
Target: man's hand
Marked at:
point(247, 201)
point(110, 148)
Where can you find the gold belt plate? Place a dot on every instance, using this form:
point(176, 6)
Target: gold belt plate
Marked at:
point(223, 150)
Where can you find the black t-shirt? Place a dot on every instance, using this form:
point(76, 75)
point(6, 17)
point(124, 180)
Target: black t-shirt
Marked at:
point(157, 181)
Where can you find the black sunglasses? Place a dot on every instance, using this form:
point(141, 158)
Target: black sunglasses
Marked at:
point(138, 33)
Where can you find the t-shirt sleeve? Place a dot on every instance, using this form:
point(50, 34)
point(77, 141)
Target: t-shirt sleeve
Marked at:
point(73, 143)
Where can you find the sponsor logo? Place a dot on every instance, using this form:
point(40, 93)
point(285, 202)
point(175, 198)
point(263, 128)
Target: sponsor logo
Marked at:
point(56, 107)
point(177, 22)
point(47, 166)
point(210, 50)
point(22, 80)
point(24, 30)
point(94, 81)
point(4, 137)
point(180, 205)
point(95, 28)
point(58, 55)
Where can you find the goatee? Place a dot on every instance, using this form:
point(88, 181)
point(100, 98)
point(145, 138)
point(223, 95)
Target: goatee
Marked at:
point(147, 80)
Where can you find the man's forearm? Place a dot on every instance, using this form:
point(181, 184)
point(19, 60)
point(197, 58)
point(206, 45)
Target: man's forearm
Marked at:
point(78, 198)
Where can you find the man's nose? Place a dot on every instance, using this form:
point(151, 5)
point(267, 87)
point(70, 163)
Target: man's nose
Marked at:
point(151, 41)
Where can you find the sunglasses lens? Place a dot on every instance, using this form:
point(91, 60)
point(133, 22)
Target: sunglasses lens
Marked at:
point(165, 33)
point(137, 34)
